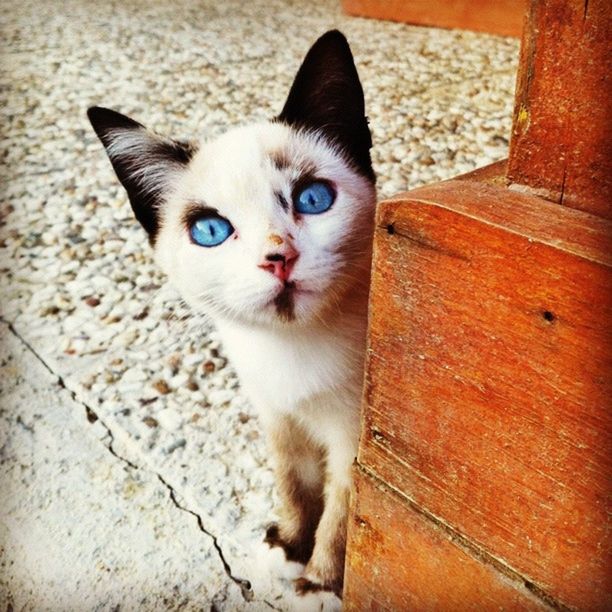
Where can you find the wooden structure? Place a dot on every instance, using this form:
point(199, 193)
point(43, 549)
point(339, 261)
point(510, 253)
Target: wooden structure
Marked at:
point(503, 17)
point(483, 479)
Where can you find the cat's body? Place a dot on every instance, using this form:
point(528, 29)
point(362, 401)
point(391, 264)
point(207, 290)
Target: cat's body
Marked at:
point(268, 230)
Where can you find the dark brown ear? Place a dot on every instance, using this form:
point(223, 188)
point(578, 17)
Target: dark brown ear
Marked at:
point(326, 95)
point(143, 161)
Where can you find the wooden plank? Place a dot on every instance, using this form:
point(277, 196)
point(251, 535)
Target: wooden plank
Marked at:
point(503, 17)
point(488, 388)
point(479, 194)
point(403, 561)
point(561, 144)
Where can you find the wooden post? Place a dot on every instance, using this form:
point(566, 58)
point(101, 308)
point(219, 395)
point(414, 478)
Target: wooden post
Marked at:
point(562, 136)
point(483, 479)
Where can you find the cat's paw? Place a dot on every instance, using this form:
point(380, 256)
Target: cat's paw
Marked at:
point(293, 552)
point(317, 579)
point(272, 562)
point(270, 559)
point(314, 597)
point(303, 586)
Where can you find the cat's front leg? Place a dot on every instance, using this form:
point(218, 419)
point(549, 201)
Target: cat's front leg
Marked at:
point(298, 463)
point(325, 570)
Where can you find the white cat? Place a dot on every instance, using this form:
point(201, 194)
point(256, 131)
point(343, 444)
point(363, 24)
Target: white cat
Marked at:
point(268, 230)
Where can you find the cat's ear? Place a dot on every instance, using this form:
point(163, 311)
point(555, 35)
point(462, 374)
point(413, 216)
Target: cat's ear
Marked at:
point(326, 95)
point(144, 162)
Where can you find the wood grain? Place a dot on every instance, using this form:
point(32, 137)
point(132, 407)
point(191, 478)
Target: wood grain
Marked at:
point(403, 561)
point(561, 144)
point(503, 17)
point(489, 386)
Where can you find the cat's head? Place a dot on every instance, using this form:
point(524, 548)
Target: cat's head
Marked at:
point(269, 223)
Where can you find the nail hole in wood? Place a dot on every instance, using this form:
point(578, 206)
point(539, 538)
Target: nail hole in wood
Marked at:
point(378, 436)
point(391, 229)
point(549, 316)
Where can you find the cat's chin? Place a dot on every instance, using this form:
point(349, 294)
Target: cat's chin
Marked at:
point(293, 304)
point(290, 307)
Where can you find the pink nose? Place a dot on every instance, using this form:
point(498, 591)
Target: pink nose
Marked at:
point(280, 264)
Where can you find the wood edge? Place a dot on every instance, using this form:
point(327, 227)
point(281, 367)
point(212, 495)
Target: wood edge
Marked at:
point(494, 174)
point(568, 229)
point(464, 543)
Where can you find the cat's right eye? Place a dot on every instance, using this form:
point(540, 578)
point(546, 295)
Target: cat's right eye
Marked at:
point(210, 231)
point(315, 198)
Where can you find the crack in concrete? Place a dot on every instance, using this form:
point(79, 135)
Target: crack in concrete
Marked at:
point(243, 584)
point(31, 349)
point(92, 417)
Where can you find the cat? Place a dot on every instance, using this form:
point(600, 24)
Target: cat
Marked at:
point(268, 230)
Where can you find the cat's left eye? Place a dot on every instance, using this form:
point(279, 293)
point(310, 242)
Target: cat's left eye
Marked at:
point(210, 231)
point(314, 199)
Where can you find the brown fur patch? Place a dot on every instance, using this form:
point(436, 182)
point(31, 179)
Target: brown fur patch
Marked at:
point(326, 566)
point(299, 552)
point(282, 201)
point(280, 159)
point(284, 302)
point(299, 476)
point(303, 586)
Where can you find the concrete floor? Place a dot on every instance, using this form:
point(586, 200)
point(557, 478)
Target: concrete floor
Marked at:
point(82, 526)
point(133, 472)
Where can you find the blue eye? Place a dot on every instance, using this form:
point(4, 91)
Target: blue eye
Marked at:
point(314, 199)
point(211, 231)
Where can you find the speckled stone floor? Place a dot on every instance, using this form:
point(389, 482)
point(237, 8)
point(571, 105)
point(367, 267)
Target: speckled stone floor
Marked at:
point(133, 472)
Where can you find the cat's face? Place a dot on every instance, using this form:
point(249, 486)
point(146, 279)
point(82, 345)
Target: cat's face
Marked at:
point(270, 223)
point(252, 177)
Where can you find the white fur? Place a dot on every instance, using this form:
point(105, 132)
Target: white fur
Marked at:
point(311, 366)
point(136, 147)
point(316, 602)
point(271, 563)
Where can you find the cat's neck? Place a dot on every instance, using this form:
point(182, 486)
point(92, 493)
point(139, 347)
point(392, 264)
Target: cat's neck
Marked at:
point(284, 366)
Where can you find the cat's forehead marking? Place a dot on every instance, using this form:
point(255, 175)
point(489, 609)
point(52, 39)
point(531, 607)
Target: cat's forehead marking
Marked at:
point(290, 173)
point(291, 160)
point(280, 159)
